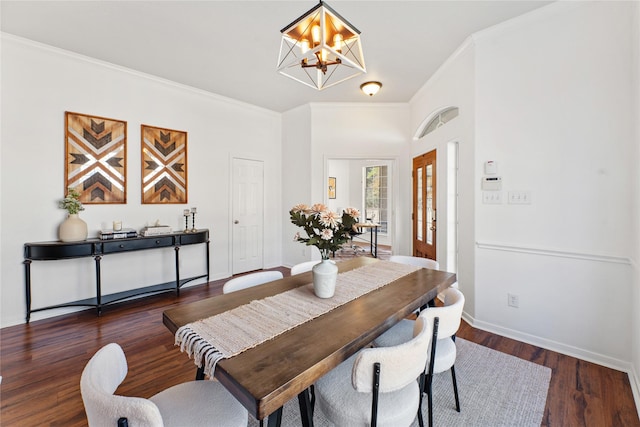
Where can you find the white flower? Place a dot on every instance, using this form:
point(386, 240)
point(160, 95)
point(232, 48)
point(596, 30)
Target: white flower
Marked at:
point(327, 234)
point(296, 237)
point(329, 219)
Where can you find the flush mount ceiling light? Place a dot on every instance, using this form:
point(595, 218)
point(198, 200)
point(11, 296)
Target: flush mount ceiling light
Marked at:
point(370, 88)
point(320, 49)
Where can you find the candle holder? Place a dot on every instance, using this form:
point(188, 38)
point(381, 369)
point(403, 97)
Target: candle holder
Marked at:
point(193, 220)
point(186, 213)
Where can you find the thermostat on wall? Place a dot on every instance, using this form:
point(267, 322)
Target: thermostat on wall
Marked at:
point(492, 183)
point(490, 167)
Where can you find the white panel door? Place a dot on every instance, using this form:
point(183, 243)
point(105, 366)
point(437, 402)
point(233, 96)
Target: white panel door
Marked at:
point(247, 215)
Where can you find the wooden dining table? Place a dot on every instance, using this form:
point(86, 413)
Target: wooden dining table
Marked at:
point(265, 377)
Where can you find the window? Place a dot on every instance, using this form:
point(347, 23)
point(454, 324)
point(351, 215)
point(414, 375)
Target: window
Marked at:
point(440, 119)
point(376, 196)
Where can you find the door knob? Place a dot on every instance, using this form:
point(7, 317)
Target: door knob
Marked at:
point(236, 222)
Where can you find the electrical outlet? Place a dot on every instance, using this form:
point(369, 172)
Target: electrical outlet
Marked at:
point(513, 300)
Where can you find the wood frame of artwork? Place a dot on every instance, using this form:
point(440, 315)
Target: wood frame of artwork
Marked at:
point(164, 165)
point(332, 187)
point(95, 158)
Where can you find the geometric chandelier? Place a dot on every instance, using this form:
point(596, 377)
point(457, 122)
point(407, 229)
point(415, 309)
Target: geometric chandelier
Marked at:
point(320, 49)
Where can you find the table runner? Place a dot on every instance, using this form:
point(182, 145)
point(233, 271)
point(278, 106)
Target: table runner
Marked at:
point(232, 332)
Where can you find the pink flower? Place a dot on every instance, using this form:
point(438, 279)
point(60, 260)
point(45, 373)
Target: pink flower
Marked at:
point(300, 208)
point(329, 219)
point(296, 237)
point(353, 213)
point(327, 234)
point(318, 208)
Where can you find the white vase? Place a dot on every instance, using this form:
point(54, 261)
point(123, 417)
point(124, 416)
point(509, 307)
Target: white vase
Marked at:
point(324, 278)
point(73, 229)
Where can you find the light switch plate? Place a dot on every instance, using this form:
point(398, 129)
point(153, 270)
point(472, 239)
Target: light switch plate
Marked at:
point(519, 197)
point(492, 197)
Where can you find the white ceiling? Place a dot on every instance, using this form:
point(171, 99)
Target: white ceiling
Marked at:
point(231, 47)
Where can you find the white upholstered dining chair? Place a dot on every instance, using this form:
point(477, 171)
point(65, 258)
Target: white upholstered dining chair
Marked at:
point(443, 352)
point(250, 280)
point(194, 403)
point(303, 267)
point(378, 386)
point(420, 262)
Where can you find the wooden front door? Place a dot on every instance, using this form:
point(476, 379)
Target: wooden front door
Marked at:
point(424, 205)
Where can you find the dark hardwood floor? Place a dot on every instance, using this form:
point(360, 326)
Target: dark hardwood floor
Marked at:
point(41, 365)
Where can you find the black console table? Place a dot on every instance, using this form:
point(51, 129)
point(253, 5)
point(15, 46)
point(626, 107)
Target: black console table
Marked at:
point(96, 248)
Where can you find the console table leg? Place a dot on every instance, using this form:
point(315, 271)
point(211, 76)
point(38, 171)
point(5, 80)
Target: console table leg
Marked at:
point(27, 286)
point(98, 285)
point(207, 262)
point(177, 248)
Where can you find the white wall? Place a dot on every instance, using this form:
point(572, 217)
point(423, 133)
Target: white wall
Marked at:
point(548, 96)
point(635, 215)
point(38, 85)
point(553, 109)
point(452, 86)
point(296, 179)
point(341, 171)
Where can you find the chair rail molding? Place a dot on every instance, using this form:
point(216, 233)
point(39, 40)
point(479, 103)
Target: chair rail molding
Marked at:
point(553, 252)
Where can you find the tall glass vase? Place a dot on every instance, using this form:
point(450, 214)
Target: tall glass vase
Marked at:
point(325, 274)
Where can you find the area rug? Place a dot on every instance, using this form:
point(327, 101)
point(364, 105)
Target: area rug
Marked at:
point(495, 389)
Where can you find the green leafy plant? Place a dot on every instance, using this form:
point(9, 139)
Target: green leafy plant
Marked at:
point(72, 202)
point(326, 230)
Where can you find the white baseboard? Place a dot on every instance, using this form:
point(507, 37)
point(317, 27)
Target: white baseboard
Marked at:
point(635, 388)
point(589, 356)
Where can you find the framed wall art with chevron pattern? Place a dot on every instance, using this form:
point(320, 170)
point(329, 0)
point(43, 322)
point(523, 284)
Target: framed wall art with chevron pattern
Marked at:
point(96, 158)
point(164, 165)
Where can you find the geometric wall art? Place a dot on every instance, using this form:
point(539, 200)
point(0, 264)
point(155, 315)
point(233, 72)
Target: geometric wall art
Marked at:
point(96, 158)
point(164, 165)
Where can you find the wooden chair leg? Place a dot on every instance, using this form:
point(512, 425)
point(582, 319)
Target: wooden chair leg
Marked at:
point(455, 387)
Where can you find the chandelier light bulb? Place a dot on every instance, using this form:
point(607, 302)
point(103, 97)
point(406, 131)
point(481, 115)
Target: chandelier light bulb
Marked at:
point(305, 46)
point(337, 42)
point(315, 34)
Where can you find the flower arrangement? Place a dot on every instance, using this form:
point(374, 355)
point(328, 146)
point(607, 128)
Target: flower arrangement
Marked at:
point(326, 230)
point(72, 202)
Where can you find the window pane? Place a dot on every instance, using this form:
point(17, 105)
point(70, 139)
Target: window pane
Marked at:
point(376, 196)
point(419, 205)
point(429, 196)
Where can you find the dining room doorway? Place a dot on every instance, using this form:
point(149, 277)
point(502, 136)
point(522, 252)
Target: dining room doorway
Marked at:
point(368, 184)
